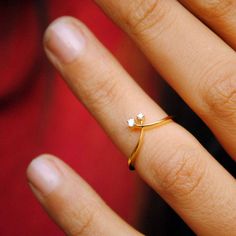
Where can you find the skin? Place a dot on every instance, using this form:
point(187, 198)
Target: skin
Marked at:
point(198, 61)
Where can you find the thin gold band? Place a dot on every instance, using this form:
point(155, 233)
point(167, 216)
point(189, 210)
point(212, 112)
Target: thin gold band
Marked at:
point(139, 123)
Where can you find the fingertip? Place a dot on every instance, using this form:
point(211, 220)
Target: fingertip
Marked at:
point(64, 39)
point(59, 20)
point(37, 159)
point(44, 174)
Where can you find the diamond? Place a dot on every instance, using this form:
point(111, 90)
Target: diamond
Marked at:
point(140, 116)
point(131, 123)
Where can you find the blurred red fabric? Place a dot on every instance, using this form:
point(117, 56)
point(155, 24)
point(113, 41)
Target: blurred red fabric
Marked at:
point(55, 123)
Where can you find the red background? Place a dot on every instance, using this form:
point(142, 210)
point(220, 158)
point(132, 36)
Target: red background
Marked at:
point(47, 118)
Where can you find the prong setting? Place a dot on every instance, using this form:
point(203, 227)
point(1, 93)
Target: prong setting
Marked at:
point(139, 119)
point(131, 123)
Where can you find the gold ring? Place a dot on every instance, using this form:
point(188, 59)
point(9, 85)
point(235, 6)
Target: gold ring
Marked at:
point(138, 123)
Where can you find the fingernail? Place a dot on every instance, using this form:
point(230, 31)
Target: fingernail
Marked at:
point(65, 40)
point(43, 175)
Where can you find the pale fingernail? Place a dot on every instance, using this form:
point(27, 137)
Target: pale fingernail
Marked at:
point(65, 40)
point(43, 175)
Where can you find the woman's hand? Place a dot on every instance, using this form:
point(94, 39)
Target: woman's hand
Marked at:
point(199, 62)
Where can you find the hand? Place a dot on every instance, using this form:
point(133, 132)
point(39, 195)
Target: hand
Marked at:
point(198, 64)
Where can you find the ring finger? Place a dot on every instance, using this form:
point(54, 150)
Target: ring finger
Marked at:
point(171, 160)
point(194, 61)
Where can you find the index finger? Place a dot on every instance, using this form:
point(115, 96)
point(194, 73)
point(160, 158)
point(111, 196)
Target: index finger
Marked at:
point(171, 160)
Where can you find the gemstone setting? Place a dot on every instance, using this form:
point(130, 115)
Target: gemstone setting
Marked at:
point(140, 117)
point(131, 123)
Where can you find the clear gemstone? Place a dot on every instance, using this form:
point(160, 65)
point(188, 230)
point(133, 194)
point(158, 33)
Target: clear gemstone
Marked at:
point(131, 122)
point(140, 116)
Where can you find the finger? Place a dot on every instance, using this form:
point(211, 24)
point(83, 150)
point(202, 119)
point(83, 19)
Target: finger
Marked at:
point(194, 61)
point(171, 160)
point(70, 202)
point(220, 15)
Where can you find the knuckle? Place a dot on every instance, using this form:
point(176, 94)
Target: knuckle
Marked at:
point(181, 173)
point(216, 8)
point(81, 220)
point(83, 226)
point(74, 219)
point(104, 92)
point(220, 95)
point(144, 14)
point(97, 91)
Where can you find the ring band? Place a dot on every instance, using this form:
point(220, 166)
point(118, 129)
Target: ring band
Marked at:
point(138, 123)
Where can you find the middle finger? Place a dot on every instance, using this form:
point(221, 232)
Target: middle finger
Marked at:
point(193, 59)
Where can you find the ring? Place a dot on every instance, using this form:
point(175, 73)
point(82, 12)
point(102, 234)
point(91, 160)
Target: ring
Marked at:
point(138, 123)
